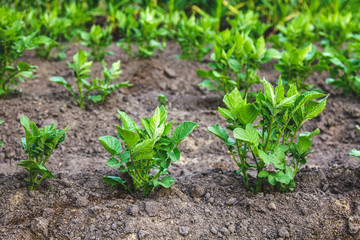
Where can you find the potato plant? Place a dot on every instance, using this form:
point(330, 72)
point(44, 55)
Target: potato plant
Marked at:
point(236, 59)
point(355, 152)
point(298, 32)
point(272, 139)
point(82, 70)
point(295, 65)
point(53, 28)
point(147, 32)
point(145, 154)
point(39, 144)
point(334, 29)
point(248, 23)
point(13, 42)
point(194, 37)
point(97, 40)
point(344, 72)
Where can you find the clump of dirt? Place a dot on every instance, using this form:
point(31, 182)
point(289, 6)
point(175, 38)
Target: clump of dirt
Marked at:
point(208, 199)
point(206, 205)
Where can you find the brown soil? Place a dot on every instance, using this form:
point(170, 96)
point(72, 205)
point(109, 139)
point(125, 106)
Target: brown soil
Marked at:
point(208, 200)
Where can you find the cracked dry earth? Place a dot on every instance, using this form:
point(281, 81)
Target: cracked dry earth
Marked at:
point(208, 199)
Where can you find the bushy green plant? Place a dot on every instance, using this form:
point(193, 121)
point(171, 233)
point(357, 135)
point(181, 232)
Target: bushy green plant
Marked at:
point(39, 145)
point(249, 23)
point(295, 65)
point(236, 59)
point(272, 139)
point(194, 37)
point(97, 39)
point(13, 42)
point(355, 152)
point(344, 71)
point(147, 32)
point(53, 29)
point(298, 32)
point(334, 29)
point(145, 154)
point(82, 70)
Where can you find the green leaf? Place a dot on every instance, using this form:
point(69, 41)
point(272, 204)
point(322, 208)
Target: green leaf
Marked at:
point(313, 109)
point(95, 98)
point(113, 181)
point(144, 146)
point(111, 144)
point(202, 73)
point(183, 131)
point(166, 181)
point(128, 123)
point(219, 132)
point(233, 101)
point(355, 153)
point(25, 122)
point(247, 114)
point(113, 162)
point(248, 135)
point(235, 65)
point(175, 155)
point(226, 113)
point(263, 174)
point(269, 92)
point(282, 177)
point(271, 179)
point(131, 138)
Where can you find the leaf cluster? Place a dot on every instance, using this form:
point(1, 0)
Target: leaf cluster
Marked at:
point(97, 39)
point(52, 28)
point(145, 154)
point(13, 42)
point(298, 32)
point(236, 59)
point(295, 65)
point(39, 145)
point(82, 70)
point(267, 130)
point(194, 36)
point(146, 31)
point(344, 72)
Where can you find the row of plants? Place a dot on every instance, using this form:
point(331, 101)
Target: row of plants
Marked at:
point(265, 136)
point(238, 51)
point(145, 153)
point(264, 125)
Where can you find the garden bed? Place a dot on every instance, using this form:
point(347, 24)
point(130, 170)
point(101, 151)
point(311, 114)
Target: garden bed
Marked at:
point(208, 199)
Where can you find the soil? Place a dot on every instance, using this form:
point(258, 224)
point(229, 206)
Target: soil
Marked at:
point(208, 199)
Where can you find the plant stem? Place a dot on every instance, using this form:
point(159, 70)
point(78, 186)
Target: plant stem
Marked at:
point(243, 159)
point(295, 133)
point(269, 130)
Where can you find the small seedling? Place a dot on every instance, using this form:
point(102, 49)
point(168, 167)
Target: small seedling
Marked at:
point(355, 152)
point(82, 70)
point(39, 145)
point(162, 99)
point(145, 154)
